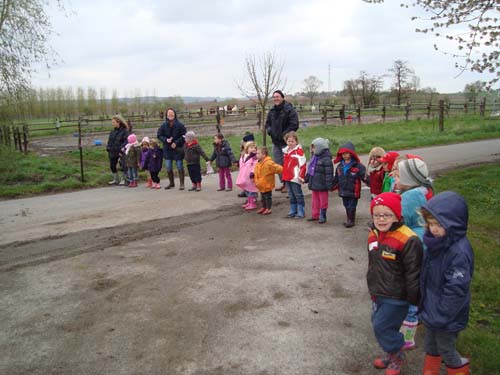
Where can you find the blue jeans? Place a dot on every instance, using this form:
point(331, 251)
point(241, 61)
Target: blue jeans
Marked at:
point(170, 167)
point(278, 156)
point(350, 203)
point(387, 317)
point(295, 193)
point(132, 174)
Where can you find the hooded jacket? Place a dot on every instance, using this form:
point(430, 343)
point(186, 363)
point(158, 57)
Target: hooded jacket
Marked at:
point(117, 140)
point(247, 167)
point(153, 161)
point(294, 164)
point(348, 180)
point(448, 266)
point(193, 151)
point(394, 260)
point(264, 172)
point(223, 155)
point(176, 131)
point(281, 120)
point(322, 179)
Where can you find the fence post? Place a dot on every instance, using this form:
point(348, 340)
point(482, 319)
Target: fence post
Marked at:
point(342, 114)
point(407, 111)
point(359, 114)
point(429, 108)
point(384, 111)
point(441, 115)
point(465, 108)
point(19, 141)
point(80, 147)
point(25, 138)
point(324, 111)
point(482, 107)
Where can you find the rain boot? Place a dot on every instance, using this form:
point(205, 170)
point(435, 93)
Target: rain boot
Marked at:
point(432, 364)
point(149, 184)
point(322, 216)
point(171, 179)
point(293, 210)
point(462, 370)
point(181, 179)
point(122, 182)
point(350, 218)
point(193, 188)
point(408, 329)
point(382, 361)
point(115, 181)
point(198, 186)
point(301, 213)
point(252, 204)
point(396, 362)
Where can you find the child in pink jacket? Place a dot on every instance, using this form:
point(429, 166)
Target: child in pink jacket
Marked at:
point(248, 160)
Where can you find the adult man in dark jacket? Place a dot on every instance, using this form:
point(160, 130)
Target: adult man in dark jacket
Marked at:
point(281, 119)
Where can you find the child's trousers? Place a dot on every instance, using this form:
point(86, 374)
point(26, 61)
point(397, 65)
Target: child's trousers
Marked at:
point(387, 317)
point(225, 174)
point(443, 344)
point(267, 199)
point(194, 171)
point(319, 202)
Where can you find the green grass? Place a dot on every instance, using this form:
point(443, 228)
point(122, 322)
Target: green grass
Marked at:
point(480, 186)
point(24, 175)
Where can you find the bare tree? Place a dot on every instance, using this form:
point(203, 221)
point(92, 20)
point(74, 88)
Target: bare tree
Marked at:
point(402, 76)
point(478, 48)
point(364, 90)
point(263, 77)
point(311, 86)
point(472, 90)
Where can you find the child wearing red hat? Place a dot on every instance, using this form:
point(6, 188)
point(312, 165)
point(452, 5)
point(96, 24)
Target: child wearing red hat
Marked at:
point(394, 260)
point(388, 161)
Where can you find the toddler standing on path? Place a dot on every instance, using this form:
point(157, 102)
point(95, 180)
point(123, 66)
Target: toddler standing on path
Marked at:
point(264, 179)
point(193, 154)
point(223, 156)
point(294, 171)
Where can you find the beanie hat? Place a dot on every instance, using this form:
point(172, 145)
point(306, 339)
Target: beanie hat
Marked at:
point(389, 158)
point(132, 138)
point(319, 145)
point(346, 147)
point(280, 93)
point(248, 137)
point(190, 136)
point(391, 200)
point(145, 139)
point(413, 172)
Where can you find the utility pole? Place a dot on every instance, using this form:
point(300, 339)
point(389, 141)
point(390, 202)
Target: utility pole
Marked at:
point(329, 79)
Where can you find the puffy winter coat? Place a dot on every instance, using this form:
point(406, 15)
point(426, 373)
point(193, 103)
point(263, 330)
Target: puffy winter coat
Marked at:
point(247, 168)
point(117, 140)
point(323, 174)
point(448, 266)
point(154, 160)
point(294, 164)
point(376, 180)
point(411, 203)
point(348, 180)
point(264, 172)
point(394, 261)
point(133, 156)
point(223, 155)
point(176, 131)
point(193, 151)
point(281, 120)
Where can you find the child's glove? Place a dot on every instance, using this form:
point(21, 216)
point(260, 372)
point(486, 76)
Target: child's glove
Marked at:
point(252, 176)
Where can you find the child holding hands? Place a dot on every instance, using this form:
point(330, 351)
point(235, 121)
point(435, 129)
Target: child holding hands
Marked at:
point(248, 160)
point(264, 178)
point(294, 171)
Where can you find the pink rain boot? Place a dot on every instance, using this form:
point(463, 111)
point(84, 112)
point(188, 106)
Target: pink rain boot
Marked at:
point(252, 205)
point(149, 183)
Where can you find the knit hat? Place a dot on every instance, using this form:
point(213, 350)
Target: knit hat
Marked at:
point(280, 93)
point(389, 158)
point(132, 138)
point(145, 139)
point(391, 200)
point(346, 147)
point(248, 137)
point(319, 145)
point(190, 136)
point(413, 172)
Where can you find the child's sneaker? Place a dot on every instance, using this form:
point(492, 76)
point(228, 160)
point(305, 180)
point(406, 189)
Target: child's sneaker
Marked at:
point(396, 362)
point(382, 361)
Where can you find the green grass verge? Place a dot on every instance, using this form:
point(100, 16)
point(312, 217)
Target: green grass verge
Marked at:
point(23, 175)
point(480, 186)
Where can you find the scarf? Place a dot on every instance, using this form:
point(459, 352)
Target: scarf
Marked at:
point(312, 165)
point(129, 146)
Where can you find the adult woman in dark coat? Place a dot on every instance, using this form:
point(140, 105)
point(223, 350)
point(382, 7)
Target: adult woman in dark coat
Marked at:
point(116, 142)
point(171, 133)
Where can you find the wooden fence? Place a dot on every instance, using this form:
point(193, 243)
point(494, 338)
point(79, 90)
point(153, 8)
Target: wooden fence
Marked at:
point(15, 136)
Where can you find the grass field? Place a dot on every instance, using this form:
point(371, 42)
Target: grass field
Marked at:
point(23, 175)
point(481, 188)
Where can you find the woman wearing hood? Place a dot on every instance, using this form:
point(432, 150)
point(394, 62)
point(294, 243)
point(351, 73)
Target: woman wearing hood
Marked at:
point(171, 133)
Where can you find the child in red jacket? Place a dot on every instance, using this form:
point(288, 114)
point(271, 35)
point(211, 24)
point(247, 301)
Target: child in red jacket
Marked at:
point(294, 172)
point(376, 171)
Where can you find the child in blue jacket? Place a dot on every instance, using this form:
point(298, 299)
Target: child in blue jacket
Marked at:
point(445, 282)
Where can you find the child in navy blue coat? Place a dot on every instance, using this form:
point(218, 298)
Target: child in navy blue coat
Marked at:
point(348, 176)
point(445, 281)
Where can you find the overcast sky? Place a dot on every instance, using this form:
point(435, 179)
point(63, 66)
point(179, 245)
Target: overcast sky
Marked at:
point(198, 47)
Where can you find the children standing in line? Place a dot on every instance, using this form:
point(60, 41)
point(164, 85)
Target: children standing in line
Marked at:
point(145, 150)
point(394, 262)
point(445, 282)
point(388, 161)
point(223, 156)
point(375, 171)
point(132, 159)
point(264, 178)
point(348, 176)
point(193, 152)
point(248, 160)
point(294, 172)
point(319, 177)
point(154, 162)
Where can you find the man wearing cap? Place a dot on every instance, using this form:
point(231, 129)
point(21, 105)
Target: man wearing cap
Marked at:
point(281, 119)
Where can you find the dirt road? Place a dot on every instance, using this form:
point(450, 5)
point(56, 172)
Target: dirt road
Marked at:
point(124, 281)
